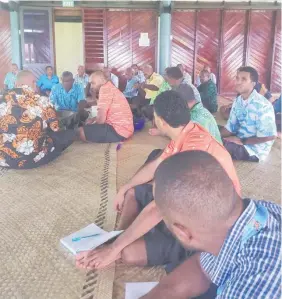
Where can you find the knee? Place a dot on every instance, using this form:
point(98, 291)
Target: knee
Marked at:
point(127, 257)
point(130, 194)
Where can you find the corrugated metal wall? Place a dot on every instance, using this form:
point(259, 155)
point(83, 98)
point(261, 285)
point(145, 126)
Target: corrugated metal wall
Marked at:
point(5, 45)
point(121, 32)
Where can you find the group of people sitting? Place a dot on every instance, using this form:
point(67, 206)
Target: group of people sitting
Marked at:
point(184, 208)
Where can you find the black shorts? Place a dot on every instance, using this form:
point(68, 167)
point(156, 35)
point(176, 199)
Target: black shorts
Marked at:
point(161, 246)
point(238, 152)
point(101, 133)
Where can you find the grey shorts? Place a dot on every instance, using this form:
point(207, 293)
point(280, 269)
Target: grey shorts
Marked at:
point(161, 246)
point(101, 133)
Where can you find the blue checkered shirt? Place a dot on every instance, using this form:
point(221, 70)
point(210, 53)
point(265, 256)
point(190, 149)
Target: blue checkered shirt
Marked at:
point(250, 269)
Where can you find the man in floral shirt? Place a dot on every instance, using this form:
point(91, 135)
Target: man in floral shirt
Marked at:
point(29, 128)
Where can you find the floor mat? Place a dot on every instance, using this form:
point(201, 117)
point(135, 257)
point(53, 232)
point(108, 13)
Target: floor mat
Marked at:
point(40, 206)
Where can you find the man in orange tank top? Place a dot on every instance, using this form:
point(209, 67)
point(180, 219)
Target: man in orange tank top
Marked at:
point(146, 239)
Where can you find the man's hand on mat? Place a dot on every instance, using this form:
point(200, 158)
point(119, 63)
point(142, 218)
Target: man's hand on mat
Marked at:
point(119, 199)
point(234, 139)
point(98, 258)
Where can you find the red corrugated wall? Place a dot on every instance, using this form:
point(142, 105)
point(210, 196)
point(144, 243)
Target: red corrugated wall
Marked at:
point(183, 41)
point(259, 45)
point(207, 37)
point(232, 48)
point(5, 45)
point(276, 66)
point(121, 32)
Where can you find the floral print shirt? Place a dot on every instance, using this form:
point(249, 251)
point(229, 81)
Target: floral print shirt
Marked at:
point(24, 120)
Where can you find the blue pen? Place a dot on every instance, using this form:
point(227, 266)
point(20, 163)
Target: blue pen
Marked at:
point(84, 237)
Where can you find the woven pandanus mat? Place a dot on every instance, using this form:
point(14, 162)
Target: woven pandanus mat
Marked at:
point(40, 206)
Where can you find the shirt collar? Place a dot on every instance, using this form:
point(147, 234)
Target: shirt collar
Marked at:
point(235, 233)
point(179, 142)
point(250, 98)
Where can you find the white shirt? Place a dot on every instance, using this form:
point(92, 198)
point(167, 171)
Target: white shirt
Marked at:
point(114, 80)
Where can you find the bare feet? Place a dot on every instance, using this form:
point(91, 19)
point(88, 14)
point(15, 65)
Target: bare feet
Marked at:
point(98, 258)
point(155, 132)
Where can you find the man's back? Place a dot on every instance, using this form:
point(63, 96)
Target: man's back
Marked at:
point(249, 262)
point(118, 111)
point(24, 116)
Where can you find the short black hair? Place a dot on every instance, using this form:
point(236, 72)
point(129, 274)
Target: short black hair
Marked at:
point(174, 72)
point(48, 67)
point(253, 72)
point(67, 74)
point(172, 108)
point(194, 184)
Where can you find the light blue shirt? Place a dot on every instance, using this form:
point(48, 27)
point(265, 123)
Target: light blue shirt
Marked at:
point(130, 91)
point(44, 83)
point(84, 80)
point(63, 100)
point(249, 262)
point(140, 77)
point(253, 117)
point(10, 80)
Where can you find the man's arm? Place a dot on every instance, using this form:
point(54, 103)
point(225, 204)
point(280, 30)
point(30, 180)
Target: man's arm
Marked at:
point(225, 133)
point(144, 175)
point(257, 140)
point(186, 281)
point(150, 87)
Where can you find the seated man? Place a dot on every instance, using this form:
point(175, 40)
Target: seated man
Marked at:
point(29, 135)
point(174, 77)
point(212, 76)
point(138, 73)
point(47, 81)
point(208, 92)
point(198, 113)
point(68, 95)
point(260, 88)
point(112, 77)
point(10, 78)
point(131, 89)
point(251, 130)
point(114, 121)
point(139, 216)
point(239, 241)
point(186, 77)
point(81, 77)
point(147, 92)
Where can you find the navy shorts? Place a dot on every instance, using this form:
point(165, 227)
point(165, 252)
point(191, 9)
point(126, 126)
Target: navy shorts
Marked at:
point(161, 246)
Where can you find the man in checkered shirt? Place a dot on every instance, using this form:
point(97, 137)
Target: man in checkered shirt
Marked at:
point(238, 241)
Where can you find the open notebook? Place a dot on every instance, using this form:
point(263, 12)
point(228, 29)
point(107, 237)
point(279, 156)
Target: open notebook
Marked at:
point(87, 243)
point(135, 290)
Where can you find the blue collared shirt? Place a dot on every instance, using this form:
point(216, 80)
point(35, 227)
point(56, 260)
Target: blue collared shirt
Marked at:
point(44, 83)
point(63, 100)
point(10, 80)
point(84, 80)
point(253, 117)
point(130, 91)
point(249, 267)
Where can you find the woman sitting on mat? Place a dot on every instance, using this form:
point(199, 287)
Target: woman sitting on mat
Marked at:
point(114, 121)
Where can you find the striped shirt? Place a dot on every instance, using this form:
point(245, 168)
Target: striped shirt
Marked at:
point(249, 262)
point(118, 112)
